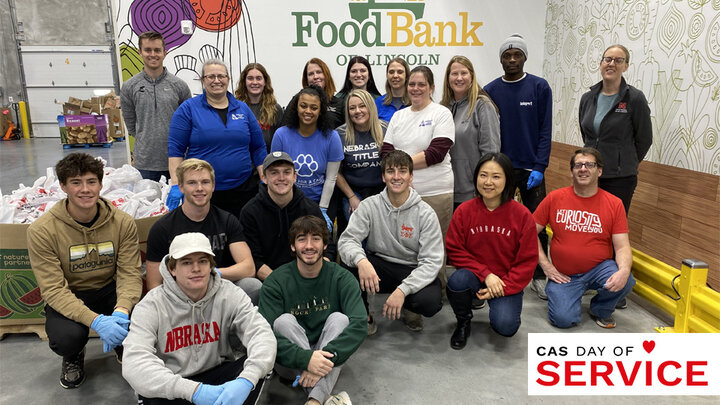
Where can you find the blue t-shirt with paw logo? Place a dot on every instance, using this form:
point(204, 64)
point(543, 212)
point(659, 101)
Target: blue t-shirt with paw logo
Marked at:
point(311, 155)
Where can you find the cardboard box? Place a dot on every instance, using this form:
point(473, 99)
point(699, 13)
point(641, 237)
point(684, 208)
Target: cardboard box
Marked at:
point(116, 128)
point(20, 302)
point(108, 104)
point(78, 129)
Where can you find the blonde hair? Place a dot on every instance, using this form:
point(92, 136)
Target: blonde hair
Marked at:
point(474, 92)
point(268, 113)
point(388, 89)
point(193, 164)
point(375, 125)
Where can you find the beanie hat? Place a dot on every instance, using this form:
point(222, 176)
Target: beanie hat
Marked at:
point(514, 41)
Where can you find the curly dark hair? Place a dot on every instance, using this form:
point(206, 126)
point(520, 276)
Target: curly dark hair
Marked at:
point(77, 164)
point(324, 122)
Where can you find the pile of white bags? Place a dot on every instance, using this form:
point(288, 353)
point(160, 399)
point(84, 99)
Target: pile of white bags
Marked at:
point(124, 187)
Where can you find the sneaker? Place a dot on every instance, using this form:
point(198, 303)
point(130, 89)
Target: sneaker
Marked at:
point(341, 398)
point(372, 326)
point(413, 321)
point(73, 371)
point(478, 303)
point(607, 323)
point(538, 285)
point(118, 353)
point(622, 304)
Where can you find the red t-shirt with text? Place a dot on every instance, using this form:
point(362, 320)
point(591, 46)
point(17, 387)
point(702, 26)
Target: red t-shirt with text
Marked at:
point(582, 228)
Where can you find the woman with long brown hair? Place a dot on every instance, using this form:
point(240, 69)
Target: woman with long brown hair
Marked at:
point(255, 89)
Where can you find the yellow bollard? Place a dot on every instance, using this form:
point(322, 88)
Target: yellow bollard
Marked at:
point(693, 276)
point(24, 120)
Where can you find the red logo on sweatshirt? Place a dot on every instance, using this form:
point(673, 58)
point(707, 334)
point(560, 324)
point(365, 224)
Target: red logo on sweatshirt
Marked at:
point(188, 335)
point(406, 231)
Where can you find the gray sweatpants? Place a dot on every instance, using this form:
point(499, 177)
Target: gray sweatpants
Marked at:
point(287, 326)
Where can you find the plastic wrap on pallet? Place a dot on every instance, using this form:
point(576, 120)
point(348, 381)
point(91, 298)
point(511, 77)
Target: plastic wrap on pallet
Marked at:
point(124, 187)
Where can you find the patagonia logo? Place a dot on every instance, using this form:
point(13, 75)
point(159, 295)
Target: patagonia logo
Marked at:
point(425, 123)
point(526, 104)
point(621, 108)
point(237, 116)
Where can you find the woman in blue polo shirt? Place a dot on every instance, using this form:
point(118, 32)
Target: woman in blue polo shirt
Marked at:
point(216, 127)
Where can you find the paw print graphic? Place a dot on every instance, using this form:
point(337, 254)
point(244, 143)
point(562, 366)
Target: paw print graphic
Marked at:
point(305, 165)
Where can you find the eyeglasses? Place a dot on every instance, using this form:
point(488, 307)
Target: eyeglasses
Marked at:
point(589, 165)
point(213, 77)
point(608, 59)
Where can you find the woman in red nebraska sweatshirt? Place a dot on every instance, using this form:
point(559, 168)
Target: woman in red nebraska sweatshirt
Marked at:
point(493, 245)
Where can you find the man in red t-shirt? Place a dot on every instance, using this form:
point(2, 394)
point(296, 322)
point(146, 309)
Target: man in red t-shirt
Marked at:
point(588, 225)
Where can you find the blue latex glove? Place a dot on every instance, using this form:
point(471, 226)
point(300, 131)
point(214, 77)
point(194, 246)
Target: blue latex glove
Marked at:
point(327, 219)
point(207, 394)
point(112, 330)
point(235, 392)
point(122, 315)
point(534, 179)
point(174, 197)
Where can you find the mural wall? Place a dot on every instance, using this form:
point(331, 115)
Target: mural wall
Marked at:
point(675, 61)
point(284, 34)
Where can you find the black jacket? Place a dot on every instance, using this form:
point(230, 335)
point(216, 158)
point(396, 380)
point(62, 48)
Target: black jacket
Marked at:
point(625, 132)
point(266, 225)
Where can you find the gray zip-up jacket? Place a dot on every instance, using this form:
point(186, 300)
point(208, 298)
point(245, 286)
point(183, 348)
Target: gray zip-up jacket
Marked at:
point(147, 107)
point(172, 338)
point(409, 235)
point(475, 136)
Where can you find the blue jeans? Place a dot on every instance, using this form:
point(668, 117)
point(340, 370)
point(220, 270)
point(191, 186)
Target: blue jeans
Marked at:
point(564, 299)
point(346, 206)
point(504, 311)
point(154, 174)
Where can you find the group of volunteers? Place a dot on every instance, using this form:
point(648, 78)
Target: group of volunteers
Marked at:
point(284, 221)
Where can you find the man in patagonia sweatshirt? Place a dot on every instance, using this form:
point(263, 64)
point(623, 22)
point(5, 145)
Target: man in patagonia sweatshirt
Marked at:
point(179, 341)
point(404, 250)
point(315, 309)
point(84, 254)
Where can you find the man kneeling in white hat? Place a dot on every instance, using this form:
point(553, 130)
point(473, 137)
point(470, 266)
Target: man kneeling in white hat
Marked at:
point(178, 348)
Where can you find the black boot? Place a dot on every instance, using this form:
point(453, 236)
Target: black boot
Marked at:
point(461, 303)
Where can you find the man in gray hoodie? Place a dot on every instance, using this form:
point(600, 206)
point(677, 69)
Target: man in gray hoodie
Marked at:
point(179, 341)
point(148, 102)
point(404, 250)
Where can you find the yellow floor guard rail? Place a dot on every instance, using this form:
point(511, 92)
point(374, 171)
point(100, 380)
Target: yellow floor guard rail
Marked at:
point(695, 306)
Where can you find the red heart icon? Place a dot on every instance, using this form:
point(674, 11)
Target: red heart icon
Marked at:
point(649, 345)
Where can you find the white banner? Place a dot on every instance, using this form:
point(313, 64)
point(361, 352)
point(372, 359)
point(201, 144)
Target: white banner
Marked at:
point(623, 364)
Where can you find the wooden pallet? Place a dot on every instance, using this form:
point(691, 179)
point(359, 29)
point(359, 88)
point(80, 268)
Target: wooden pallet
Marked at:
point(87, 145)
point(37, 328)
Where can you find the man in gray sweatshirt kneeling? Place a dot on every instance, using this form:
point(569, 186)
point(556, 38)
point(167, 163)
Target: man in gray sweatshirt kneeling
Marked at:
point(178, 348)
point(404, 250)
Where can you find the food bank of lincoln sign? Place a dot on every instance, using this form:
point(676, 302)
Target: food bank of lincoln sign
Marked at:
point(397, 25)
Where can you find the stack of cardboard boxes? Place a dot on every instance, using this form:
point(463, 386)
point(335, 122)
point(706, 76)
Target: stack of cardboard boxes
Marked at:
point(98, 120)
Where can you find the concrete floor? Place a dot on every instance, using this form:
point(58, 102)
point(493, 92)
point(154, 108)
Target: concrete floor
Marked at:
point(395, 366)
